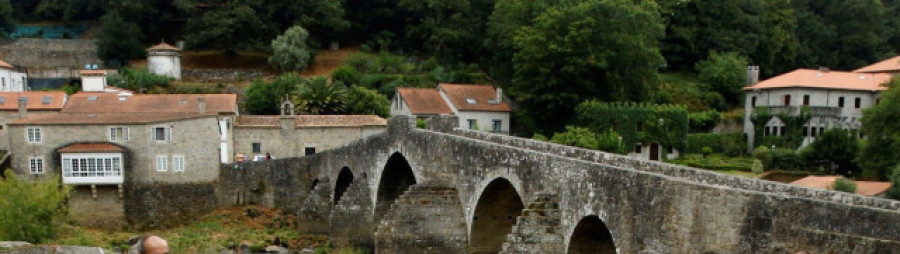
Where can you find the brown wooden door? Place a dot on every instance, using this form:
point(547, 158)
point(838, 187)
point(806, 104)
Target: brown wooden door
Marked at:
point(654, 152)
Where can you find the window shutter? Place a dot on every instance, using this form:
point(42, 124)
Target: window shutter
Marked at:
point(168, 134)
point(112, 133)
point(125, 134)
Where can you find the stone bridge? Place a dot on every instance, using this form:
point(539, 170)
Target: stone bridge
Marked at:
point(449, 190)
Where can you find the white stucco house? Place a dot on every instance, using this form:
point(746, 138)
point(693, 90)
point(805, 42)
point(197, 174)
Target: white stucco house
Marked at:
point(835, 99)
point(11, 79)
point(479, 107)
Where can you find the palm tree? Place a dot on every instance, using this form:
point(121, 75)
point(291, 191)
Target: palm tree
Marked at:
point(319, 97)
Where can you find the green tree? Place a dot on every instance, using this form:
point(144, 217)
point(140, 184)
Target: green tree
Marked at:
point(835, 151)
point(725, 74)
point(7, 22)
point(229, 26)
point(290, 50)
point(576, 136)
point(451, 29)
point(882, 130)
point(844, 185)
point(575, 51)
point(120, 41)
point(319, 97)
point(33, 211)
point(364, 101)
point(265, 98)
point(138, 79)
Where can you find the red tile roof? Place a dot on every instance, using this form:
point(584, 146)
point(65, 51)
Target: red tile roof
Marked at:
point(424, 101)
point(163, 46)
point(93, 72)
point(826, 80)
point(92, 102)
point(10, 100)
point(311, 121)
point(91, 148)
point(867, 188)
point(887, 66)
point(474, 97)
point(5, 65)
point(83, 118)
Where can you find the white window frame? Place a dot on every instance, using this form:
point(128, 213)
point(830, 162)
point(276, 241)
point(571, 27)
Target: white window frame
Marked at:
point(167, 132)
point(123, 136)
point(36, 165)
point(178, 163)
point(162, 163)
point(497, 125)
point(92, 168)
point(33, 134)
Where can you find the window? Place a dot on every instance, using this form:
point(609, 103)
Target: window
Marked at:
point(34, 134)
point(162, 134)
point(309, 151)
point(670, 149)
point(805, 131)
point(637, 148)
point(766, 133)
point(857, 102)
point(162, 163)
point(806, 100)
point(178, 163)
point(257, 147)
point(787, 100)
point(812, 132)
point(840, 102)
point(821, 130)
point(473, 124)
point(497, 126)
point(753, 101)
point(119, 134)
point(45, 100)
point(782, 131)
point(36, 165)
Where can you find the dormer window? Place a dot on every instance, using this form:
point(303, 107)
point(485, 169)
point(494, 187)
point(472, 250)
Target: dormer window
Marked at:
point(182, 102)
point(92, 98)
point(471, 101)
point(45, 100)
point(2, 100)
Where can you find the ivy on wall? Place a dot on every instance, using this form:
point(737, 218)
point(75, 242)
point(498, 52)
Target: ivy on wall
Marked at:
point(793, 127)
point(637, 122)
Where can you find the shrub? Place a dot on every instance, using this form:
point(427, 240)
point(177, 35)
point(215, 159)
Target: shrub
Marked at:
point(786, 159)
point(347, 75)
point(844, 185)
point(706, 151)
point(763, 154)
point(361, 100)
point(894, 192)
point(576, 136)
point(696, 142)
point(33, 211)
point(734, 144)
point(420, 123)
point(757, 167)
point(539, 137)
point(703, 121)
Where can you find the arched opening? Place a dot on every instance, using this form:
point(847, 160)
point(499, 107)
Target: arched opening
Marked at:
point(345, 178)
point(498, 207)
point(395, 179)
point(591, 236)
point(314, 184)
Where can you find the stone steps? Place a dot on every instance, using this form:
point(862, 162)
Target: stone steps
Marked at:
point(538, 229)
point(427, 218)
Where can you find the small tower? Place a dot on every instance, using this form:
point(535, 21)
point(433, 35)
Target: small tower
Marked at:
point(164, 59)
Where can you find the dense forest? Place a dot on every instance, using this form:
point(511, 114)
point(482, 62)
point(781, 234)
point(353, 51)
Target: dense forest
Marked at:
point(550, 55)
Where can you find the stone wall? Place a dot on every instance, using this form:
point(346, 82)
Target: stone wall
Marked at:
point(50, 58)
point(281, 183)
point(164, 205)
point(286, 143)
point(103, 209)
point(224, 75)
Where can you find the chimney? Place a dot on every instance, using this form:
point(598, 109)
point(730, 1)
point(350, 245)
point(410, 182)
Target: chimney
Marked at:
point(201, 105)
point(752, 75)
point(23, 109)
point(824, 69)
point(499, 94)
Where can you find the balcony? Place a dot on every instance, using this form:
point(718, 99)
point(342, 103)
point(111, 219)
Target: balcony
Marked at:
point(795, 110)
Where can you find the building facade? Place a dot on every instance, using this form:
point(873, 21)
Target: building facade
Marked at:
point(479, 107)
point(164, 59)
point(11, 79)
point(14, 105)
point(833, 99)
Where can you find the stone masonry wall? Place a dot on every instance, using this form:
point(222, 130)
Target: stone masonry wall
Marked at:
point(223, 75)
point(164, 205)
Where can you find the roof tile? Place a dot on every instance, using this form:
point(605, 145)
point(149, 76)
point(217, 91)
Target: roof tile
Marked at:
point(10, 100)
point(163, 46)
point(825, 79)
point(101, 103)
point(91, 148)
point(889, 65)
point(89, 118)
point(474, 97)
point(424, 101)
point(5, 65)
point(311, 120)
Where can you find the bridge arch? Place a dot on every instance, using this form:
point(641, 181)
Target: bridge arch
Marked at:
point(591, 235)
point(395, 179)
point(498, 206)
point(344, 179)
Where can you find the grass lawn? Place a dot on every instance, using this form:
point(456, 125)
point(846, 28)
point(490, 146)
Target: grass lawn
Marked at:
point(739, 166)
point(211, 233)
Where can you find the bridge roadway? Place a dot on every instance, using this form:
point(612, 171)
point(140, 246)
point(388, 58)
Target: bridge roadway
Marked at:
point(449, 190)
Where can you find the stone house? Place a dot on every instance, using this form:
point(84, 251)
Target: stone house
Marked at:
point(479, 107)
point(835, 99)
point(164, 59)
point(290, 135)
point(35, 103)
point(12, 79)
